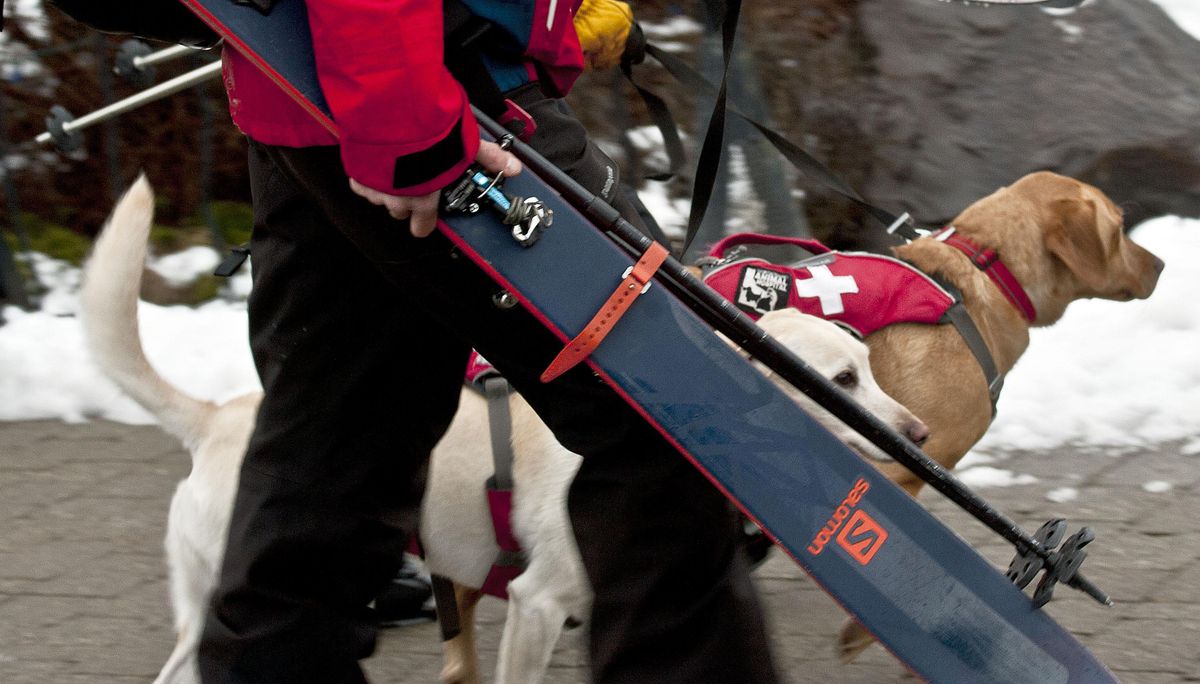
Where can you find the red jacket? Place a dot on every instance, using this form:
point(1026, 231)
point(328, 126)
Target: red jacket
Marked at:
point(404, 123)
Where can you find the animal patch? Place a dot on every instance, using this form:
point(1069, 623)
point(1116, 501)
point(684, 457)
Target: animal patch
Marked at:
point(762, 290)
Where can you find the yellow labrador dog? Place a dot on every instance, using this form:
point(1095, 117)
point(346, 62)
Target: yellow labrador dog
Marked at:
point(456, 527)
point(1062, 240)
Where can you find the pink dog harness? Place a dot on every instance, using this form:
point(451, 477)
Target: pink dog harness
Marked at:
point(510, 561)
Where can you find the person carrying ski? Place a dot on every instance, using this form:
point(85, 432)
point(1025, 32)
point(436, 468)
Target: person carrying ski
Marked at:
point(361, 319)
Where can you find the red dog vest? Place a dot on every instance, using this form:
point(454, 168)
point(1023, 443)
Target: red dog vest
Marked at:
point(860, 290)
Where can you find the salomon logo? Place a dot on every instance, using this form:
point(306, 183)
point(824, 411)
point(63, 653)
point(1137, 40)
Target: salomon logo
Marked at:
point(861, 537)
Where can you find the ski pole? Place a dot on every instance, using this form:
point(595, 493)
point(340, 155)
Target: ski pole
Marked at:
point(727, 319)
point(160, 56)
point(62, 128)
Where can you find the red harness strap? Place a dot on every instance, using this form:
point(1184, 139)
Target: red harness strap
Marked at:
point(989, 262)
point(511, 561)
point(634, 282)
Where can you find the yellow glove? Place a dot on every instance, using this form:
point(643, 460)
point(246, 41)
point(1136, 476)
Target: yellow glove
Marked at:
point(603, 27)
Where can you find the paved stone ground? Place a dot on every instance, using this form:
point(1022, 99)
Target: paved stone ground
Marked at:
point(83, 594)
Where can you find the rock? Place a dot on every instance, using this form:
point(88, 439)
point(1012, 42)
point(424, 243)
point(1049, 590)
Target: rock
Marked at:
point(945, 103)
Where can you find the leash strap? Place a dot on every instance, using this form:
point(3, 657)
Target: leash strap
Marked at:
point(660, 114)
point(802, 161)
point(988, 261)
point(714, 137)
point(634, 282)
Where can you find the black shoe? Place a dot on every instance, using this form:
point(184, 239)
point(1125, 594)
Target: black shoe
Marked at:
point(407, 600)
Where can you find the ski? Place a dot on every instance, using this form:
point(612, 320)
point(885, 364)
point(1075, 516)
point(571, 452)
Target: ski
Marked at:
point(933, 601)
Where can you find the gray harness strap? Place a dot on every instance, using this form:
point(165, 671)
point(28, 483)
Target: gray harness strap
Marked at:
point(961, 319)
point(967, 329)
point(497, 391)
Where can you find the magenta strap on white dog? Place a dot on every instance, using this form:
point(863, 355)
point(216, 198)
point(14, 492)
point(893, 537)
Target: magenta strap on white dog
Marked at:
point(988, 261)
point(510, 561)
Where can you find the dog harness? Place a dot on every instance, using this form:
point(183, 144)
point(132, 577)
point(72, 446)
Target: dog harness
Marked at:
point(988, 261)
point(482, 377)
point(860, 291)
point(510, 561)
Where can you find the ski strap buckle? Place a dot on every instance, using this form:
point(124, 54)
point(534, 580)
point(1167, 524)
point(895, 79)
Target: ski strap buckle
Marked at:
point(528, 216)
point(634, 283)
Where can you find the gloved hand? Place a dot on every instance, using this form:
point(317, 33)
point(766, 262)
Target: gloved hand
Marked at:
point(603, 26)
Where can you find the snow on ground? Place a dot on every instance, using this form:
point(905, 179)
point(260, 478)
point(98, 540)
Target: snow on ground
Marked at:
point(1062, 494)
point(1186, 13)
point(47, 373)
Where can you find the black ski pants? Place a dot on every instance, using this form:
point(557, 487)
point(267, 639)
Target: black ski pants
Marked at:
point(360, 334)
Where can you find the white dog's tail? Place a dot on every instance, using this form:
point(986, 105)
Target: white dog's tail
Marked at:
point(112, 280)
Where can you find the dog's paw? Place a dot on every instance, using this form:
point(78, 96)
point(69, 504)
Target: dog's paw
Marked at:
point(853, 639)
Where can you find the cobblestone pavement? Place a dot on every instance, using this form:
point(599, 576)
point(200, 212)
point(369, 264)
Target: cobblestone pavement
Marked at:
point(83, 592)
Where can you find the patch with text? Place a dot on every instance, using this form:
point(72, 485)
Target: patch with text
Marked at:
point(762, 290)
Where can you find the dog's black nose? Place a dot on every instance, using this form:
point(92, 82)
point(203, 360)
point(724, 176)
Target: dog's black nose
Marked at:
point(1159, 265)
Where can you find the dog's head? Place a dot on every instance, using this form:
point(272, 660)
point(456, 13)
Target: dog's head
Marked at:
point(843, 360)
point(1064, 240)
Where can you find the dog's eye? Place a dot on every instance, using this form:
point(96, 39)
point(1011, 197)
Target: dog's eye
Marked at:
point(846, 379)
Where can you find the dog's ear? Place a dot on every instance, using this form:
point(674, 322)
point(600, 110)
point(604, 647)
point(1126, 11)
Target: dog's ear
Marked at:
point(1074, 236)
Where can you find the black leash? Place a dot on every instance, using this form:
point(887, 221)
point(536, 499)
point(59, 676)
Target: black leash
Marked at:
point(801, 160)
point(660, 114)
point(714, 137)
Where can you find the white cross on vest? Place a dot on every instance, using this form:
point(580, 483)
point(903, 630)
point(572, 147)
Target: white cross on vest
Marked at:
point(828, 287)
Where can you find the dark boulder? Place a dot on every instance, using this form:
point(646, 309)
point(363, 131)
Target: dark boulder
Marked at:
point(927, 106)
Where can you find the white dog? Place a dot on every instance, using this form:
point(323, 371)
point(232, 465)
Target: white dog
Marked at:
point(456, 527)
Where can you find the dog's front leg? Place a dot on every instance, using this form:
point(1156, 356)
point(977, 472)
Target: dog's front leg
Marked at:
point(535, 619)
